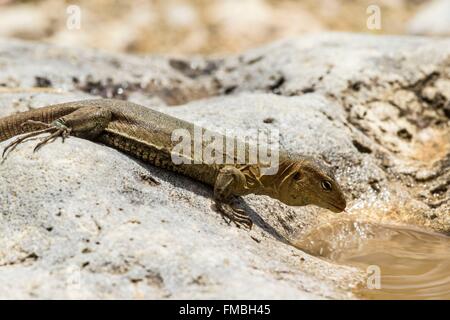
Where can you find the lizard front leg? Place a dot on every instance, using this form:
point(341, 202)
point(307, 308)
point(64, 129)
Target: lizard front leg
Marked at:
point(86, 122)
point(230, 182)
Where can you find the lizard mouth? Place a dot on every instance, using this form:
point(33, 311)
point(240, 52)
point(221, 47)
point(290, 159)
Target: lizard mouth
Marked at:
point(335, 207)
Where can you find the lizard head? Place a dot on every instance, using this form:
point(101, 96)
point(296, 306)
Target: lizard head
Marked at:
point(310, 182)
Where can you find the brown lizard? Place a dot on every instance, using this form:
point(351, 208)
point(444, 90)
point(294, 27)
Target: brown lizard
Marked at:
point(146, 134)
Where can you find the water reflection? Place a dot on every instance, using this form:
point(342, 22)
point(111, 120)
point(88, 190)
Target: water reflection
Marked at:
point(414, 264)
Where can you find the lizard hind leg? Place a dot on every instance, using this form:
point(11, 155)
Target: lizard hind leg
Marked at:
point(87, 123)
point(228, 184)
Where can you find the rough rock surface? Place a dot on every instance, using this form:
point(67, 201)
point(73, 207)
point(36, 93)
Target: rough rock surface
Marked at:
point(82, 220)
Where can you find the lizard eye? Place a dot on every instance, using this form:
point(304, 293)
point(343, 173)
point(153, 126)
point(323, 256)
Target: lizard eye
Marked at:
point(297, 176)
point(326, 185)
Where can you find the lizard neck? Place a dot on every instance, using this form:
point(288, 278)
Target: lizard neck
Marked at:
point(271, 184)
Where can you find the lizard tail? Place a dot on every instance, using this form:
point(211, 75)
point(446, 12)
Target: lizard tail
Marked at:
point(12, 125)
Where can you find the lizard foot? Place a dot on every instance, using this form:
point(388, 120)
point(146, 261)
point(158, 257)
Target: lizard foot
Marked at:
point(232, 214)
point(56, 129)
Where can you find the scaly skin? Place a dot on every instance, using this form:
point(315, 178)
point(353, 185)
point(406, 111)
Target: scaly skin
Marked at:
point(147, 135)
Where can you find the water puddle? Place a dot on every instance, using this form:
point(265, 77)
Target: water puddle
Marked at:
point(413, 264)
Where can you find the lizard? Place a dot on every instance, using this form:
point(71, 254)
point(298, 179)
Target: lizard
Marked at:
point(145, 134)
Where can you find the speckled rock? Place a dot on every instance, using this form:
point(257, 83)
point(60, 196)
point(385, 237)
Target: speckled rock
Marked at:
point(81, 220)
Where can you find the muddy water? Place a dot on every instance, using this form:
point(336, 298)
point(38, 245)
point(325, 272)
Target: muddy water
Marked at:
point(412, 264)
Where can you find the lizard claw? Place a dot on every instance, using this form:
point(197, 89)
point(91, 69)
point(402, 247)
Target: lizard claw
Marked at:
point(61, 132)
point(10, 147)
point(54, 131)
point(36, 123)
point(235, 215)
